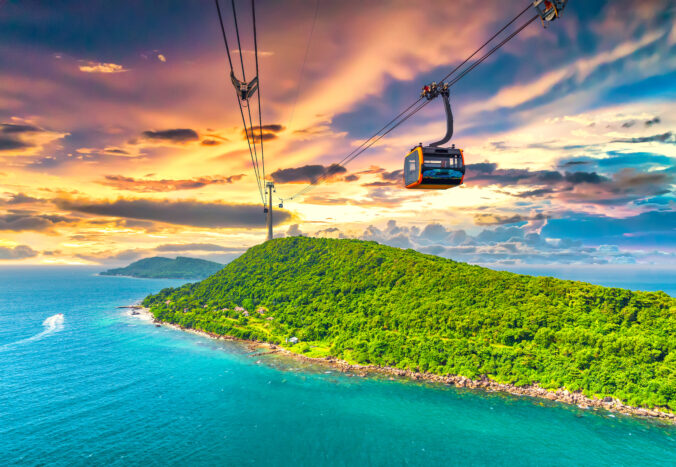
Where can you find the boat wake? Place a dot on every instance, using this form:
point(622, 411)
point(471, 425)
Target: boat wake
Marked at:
point(52, 325)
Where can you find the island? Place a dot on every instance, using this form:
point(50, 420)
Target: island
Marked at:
point(367, 305)
point(159, 267)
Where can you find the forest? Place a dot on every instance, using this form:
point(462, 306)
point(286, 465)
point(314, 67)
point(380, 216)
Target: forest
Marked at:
point(373, 304)
point(159, 267)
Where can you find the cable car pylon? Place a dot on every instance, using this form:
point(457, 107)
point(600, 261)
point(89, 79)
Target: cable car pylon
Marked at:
point(269, 189)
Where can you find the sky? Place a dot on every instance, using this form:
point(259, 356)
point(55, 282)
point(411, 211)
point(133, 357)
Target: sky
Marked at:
point(121, 137)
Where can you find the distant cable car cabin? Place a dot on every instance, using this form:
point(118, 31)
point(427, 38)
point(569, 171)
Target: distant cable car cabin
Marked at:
point(433, 167)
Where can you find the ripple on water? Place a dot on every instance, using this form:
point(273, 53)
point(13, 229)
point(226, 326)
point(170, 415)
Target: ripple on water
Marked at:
point(103, 392)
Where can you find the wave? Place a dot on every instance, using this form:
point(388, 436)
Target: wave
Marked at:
point(52, 325)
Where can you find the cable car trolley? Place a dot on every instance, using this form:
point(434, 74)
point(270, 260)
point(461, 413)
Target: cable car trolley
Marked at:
point(434, 167)
point(549, 10)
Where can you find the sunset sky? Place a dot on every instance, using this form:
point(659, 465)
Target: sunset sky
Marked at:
point(121, 138)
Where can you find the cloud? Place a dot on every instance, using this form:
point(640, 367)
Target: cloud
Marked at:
point(621, 187)
point(9, 128)
point(10, 144)
point(161, 58)
point(100, 67)
point(486, 174)
point(652, 121)
point(188, 212)
point(582, 74)
point(11, 136)
point(330, 232)
point(294, 231)
point(633, 159)
point(116, 151)
point(273, 127)
point(499, 245)
point(19, 221)
point(500, 219)
point(268, 132)
point(120, 182)
point(113, 256)
point(626, 186)
point(307, 173)
point(394, 177)
point(20, 198)
point(644, 228)
point(667, 137)
point(17, 252)
point(326, 199)
point(25, 138)
point(175, 135)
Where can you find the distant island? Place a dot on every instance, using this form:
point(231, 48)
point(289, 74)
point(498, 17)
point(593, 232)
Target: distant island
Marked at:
point(159, 267)
point(416, 314)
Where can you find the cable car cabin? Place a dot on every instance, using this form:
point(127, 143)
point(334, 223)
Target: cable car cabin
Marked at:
point(433, 168)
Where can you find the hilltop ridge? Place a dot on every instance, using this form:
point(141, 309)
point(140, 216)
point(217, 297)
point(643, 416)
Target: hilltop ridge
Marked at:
point(159, 267)
point(372, 304)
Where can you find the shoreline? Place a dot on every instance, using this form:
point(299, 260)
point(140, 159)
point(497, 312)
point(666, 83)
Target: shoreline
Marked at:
point(609, 404)
point(101, 274)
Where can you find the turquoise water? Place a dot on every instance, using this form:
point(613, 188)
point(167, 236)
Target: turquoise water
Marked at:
point(106, 388)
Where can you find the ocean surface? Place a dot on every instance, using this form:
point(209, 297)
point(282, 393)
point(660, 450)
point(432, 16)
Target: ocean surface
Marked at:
point(97, 386)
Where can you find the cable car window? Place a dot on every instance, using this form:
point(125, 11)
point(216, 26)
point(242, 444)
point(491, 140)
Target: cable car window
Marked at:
point(411, 166)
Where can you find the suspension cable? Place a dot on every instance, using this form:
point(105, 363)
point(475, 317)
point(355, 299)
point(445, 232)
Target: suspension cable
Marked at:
point(488, 54)
point(356, 154)
point(227, 48)
point(260, 118)
point(378, 136)
point(486, 43)
point(241, 61)
point(239, 45)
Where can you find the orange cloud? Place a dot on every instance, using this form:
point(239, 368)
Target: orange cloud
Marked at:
point(99, 67)
point(120, 182)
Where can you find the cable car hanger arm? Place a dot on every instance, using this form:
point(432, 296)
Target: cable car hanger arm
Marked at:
point(430, 92)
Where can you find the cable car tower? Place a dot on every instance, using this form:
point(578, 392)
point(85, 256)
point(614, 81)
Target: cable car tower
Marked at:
point(269, 190)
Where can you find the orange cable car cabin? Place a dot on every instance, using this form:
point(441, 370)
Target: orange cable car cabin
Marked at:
point(433, 167)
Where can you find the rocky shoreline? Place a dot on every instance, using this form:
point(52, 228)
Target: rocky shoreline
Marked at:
point(560, 395)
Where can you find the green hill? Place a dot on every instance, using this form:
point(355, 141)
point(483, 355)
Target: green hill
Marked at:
point(372, 304)
point(159, 267)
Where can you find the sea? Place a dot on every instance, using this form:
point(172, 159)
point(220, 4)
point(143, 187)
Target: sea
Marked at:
point(82, 382)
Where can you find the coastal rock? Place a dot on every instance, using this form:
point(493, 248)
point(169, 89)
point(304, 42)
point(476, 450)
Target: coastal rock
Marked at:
point(483, 382)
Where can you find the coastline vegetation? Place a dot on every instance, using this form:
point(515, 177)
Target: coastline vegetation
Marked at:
point(371, 304)
point(159, 267)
